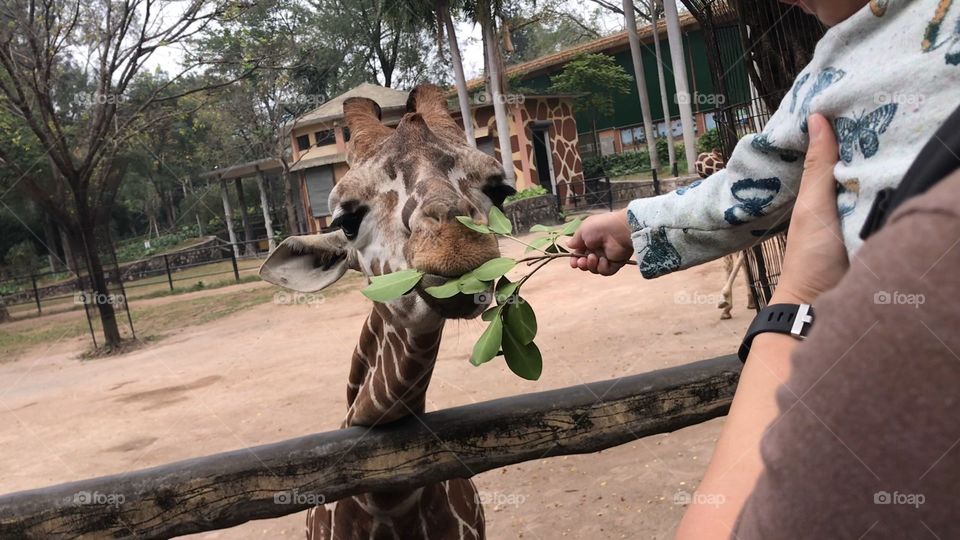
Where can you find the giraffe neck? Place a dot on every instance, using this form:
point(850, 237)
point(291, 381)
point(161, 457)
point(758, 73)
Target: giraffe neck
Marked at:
point(390, 371)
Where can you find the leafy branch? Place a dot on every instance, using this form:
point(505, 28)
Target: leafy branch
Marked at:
point(512, 322)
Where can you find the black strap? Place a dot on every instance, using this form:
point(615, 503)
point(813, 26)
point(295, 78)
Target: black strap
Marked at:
point(790, 319)
point(938, 158)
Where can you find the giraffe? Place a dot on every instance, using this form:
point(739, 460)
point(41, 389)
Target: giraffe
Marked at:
point(707, 164)
point(395, 209)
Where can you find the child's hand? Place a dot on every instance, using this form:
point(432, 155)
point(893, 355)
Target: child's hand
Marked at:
point(605, 240)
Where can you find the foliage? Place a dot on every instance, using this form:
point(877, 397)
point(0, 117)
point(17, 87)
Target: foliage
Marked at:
point(512, 322)
point(616, 164)
point(22, 258)
point(134, 249)
point(527, 193)
point(598, 77)
point(709, 140)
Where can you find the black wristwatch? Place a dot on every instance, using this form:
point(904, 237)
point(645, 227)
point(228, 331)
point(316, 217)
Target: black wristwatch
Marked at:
point(792, 319)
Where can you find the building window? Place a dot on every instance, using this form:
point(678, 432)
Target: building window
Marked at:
point(323, 138)
point(319, 182)
point(346, 134)
point(632, 139)
point(303, 143)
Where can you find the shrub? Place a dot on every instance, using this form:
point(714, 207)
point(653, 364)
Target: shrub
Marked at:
point(616, 164)
point(22, 258)
point(532, 191)
point(708, 141)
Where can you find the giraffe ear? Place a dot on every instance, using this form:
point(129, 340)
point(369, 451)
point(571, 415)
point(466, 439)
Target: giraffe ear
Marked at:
point(366, 131)
point(309, 263)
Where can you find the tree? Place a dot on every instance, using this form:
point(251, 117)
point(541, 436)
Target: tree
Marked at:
point(655, 13)
point(630, 22)
point(98, 47)
point(437, 15)
point(485, 13)
point(598, 78)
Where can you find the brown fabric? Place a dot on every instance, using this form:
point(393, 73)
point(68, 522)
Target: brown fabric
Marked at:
point(867, 444)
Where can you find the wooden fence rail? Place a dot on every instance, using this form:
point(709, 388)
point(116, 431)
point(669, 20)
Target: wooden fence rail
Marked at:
point(273, 480)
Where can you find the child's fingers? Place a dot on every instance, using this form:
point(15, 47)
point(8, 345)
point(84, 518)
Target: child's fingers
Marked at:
point(576, 243)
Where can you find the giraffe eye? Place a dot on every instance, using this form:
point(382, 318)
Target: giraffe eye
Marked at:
point(349, 222)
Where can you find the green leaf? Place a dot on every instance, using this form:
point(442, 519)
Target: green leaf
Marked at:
point(447, 290)
point(521, 321)
point(505, 289)
point(469, 284)
point(524, 360)
point(556, 248)
point(499, 222)
point(571, 227)
point(540, 228)
point(390, 286)
point(539, 243)
point(489, 343)
point(491, 313)
point(471, 224)
point(494, 268)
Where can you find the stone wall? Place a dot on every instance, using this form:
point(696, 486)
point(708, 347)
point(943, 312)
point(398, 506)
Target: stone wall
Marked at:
point(624, 192)
point(526, 213)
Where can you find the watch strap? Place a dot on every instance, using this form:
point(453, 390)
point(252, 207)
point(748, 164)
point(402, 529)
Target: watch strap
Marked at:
point(792, 319)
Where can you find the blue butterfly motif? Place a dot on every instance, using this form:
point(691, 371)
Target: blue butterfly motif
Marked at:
point(684, 189)
point(762, 143)
point(797, 85)
point(660, 257)
point(863, 131)
point(824, 79)
point(632, 221)
point(753, 196)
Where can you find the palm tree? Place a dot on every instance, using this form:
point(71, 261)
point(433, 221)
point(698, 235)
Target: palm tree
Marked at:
point(654, 19)
point(630, 21)
point(486, 12)
point(438, 16)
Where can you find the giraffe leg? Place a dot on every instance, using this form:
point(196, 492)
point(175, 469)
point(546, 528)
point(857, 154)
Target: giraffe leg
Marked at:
point(733, 267)
point(318, 523)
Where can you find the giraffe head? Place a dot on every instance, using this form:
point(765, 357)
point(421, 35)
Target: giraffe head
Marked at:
point(397, 206)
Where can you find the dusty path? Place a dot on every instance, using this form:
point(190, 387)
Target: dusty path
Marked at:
point(278, 371)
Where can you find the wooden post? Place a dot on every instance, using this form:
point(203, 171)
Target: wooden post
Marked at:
point(228, 213)
point(166, 265)
point(265, 206)
point(278, 479)
point(36, 293)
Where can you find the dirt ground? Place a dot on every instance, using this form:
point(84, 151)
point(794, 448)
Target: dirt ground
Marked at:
point(278, 370)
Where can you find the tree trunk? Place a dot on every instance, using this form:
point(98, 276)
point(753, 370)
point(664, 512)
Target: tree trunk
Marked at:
point(67, 244)
point(248, 246)
point(288, 202)
point(98, 283)
point(665, 102)
point(463, 96)
point(680, 80)
point(630, 21)
point(499, 103)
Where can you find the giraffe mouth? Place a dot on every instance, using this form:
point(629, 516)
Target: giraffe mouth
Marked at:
point(458, 306)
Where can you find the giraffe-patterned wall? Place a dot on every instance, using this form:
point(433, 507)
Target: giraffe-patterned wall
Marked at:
point(567, 164)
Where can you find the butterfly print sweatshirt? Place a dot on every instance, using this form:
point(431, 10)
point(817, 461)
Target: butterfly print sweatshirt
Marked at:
point(887, 78)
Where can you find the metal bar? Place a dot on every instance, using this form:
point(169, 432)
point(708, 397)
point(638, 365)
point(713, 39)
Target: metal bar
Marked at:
point(36, 293)
point(166, 264)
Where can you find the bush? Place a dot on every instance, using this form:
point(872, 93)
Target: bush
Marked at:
point(131, 250)
point(616, 164)
point(22, 258)
point(708, 141)
point(532, 191)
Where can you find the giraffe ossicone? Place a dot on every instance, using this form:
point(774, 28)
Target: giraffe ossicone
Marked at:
point(396, 209)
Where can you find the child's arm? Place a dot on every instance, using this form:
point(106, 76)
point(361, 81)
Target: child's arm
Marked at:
point(731, 210)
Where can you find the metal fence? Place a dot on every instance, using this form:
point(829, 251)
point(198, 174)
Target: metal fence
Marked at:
point(48, 292)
